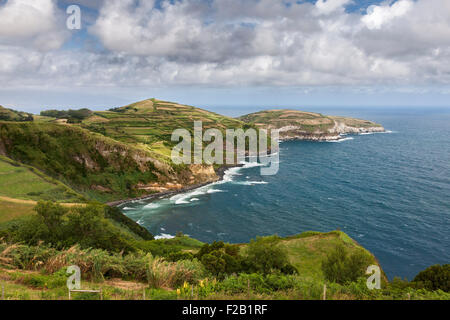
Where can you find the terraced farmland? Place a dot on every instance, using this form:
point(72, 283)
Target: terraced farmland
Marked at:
point(150, 123)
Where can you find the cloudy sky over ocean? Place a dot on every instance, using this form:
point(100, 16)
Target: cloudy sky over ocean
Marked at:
point(225, 52)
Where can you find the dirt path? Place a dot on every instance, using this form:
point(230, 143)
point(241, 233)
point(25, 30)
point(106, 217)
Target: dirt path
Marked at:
point(32, 202)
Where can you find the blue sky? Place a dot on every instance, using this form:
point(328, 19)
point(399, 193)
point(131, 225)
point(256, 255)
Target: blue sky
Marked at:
point(225, 53)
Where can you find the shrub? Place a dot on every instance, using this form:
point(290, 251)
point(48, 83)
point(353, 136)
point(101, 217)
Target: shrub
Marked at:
point(264, 256)
point(179, 255)
point(342, 267)
point(434, 278)
point(255, 282)
point(164, 274)
point(56, 280)
point(62, 228)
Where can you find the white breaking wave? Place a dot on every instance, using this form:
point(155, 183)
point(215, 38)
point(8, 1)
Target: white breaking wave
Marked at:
point(164, 236)
point(192, 196)
point(230, 173)
point(214, 191)
point(195, 195)
point(341, 140)
point(181, 201)
point(152, 206)
point(127, 208)
point(250, 183)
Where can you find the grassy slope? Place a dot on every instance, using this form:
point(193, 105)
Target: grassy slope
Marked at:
point(21, 186)
point(149, 124)
point(306, 251)
point(12, 115)
point(24, 182)
point(11, 210)
point(98, 156)
point(99, 167)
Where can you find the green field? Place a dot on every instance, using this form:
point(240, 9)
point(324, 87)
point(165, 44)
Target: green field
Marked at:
point(21, 186)
point(150, 123)
point(307, 250)
point(13, 210)
point(23, 182)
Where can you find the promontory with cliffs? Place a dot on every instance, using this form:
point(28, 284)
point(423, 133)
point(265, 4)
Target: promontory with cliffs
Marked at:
point(299, 125)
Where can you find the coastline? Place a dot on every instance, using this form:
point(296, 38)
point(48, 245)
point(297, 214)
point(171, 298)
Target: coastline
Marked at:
point(329, 137)
point(220, 172)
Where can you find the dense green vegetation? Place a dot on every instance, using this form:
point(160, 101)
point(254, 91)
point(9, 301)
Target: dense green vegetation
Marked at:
point(64, 227)
point(72, 116)
point(342, 267)
point(13, 115)
point(188, 278)
point(92, 164)
point(436, 277)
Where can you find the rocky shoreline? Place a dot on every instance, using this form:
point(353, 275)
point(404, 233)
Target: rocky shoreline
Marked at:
point(220, 172)
point(293, 134)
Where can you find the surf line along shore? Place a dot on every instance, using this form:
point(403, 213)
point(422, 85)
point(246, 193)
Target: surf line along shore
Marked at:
point(220, 173)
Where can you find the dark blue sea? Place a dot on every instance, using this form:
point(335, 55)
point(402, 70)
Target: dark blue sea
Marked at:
point(388, 191)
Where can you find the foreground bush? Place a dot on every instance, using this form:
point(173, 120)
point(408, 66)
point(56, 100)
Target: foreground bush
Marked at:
point(434, 278)
point(62, 227)
point(164, 274)
point(264, 256)
point(342, 267)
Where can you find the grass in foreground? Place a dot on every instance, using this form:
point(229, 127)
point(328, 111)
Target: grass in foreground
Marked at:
point(40, 273)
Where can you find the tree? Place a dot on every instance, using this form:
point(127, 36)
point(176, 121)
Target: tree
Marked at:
point(264, 255)
point(342, 267)
point(434, 278)
point(62, 227)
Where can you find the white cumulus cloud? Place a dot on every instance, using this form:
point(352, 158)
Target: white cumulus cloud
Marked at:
point(31, 23)
point(378, 15)
point(233, 43)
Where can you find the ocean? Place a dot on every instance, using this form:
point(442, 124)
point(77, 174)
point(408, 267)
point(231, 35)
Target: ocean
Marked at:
point(388, 191)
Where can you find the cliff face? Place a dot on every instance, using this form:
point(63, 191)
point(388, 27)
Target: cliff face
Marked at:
point(298, 125)
point(97, 166)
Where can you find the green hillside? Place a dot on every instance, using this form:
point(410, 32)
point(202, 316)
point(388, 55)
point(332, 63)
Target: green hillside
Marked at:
point(13, 115)
point(111, 155)
point(149, 124)
point(23, 182)
point(97, 166)
point(21, 186)
point(168, 270)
